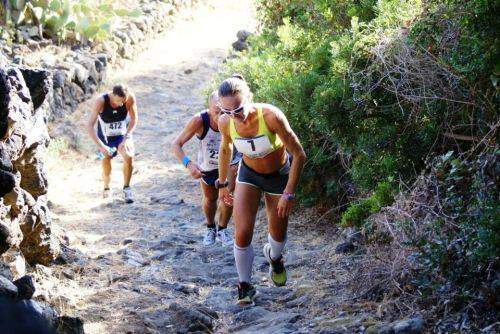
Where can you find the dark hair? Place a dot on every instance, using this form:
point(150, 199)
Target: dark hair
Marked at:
point(238, 76)
point(234, 86)
point(120, 90)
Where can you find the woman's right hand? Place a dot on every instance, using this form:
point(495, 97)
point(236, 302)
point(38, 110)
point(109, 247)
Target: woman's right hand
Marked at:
point(194, 170)
point(226, 196)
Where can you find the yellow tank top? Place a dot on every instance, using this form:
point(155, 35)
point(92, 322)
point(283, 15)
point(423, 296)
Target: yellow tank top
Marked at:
point(259, 146)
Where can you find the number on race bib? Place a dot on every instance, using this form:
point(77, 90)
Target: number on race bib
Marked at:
point(115, 126)
point(213, 154)
point(252, 144)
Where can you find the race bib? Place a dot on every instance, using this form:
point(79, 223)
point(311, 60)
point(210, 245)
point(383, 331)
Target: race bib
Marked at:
point(254, 147)
point(212, 153)
point(114, 128)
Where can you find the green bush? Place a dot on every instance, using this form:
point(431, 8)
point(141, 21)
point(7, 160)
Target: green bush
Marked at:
point(464, 240)
point(370, 91)
point(359, 211)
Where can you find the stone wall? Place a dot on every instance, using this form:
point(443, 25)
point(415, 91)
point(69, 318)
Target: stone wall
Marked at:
point(25, 232)
point(79, 71)
point(30, 97)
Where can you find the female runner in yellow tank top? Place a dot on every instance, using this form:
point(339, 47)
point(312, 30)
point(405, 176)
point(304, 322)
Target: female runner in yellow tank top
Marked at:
point(262, 134)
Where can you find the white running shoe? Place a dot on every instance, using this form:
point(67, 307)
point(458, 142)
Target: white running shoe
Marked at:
point(106, 193)
point(127, 195)
point(224, 236)
point(209, 238)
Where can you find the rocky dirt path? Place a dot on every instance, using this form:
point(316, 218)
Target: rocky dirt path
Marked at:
point(142, 267)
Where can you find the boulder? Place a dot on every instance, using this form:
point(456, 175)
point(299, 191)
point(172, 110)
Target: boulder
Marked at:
point(345, 247)
point(24, 216)
point(81, 74)
point(243, 35)
point(191, 319)
point(25, 287)
point(30, 317)
point(240, 46)
point(15, 261)
point(7, 183)
point(39, 83)
point(7, 288)
point(39, 245)
point(411, 326)
point(69, 325)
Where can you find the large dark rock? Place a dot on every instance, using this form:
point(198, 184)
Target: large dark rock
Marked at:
point(69, 325)
point(4, 238)
point(243, 35)
point(39, 82)
point(7, 182)
point(25, 317)
point(34, 177)
point(25, 287)
point(24, 216)
point(5, 88)
point(39, 244)
point(240, 46)
point(345, 247)
point(7, 288)
point(191, 319)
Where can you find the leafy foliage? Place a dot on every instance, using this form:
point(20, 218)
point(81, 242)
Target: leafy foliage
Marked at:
point(80, 20)
point(373, 88)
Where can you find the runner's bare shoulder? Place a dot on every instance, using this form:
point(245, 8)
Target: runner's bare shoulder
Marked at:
point(99, 104)
point(196, 123)
point(130, 100)
point(271, 114)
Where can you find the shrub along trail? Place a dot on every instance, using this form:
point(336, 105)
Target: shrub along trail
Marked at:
point(142, 267)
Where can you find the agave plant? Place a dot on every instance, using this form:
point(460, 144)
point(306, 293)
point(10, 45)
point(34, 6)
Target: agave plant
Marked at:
point(82, 20)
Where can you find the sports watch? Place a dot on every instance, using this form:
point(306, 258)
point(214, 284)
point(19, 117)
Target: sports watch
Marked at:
point(219, 185)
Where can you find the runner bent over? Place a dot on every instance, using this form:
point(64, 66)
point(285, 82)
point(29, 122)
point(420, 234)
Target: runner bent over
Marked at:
point(116, 115)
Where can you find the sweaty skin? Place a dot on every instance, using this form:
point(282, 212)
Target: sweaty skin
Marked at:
point(126, 148)
point(210, 193)
point(248, 127)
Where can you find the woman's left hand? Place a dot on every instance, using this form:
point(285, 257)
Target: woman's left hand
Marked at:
point(285, 207)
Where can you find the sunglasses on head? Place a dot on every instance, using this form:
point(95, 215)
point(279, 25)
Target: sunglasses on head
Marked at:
point(231, 112)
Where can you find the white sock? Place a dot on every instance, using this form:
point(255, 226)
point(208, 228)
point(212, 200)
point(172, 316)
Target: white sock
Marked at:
point(243, 257)
point(276, 247)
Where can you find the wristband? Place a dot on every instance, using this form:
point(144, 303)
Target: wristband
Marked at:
point(289, 196)
point(185, 161)
point(219, 185)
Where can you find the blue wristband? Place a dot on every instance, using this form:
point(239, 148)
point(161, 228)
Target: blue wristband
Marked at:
point(185, 161)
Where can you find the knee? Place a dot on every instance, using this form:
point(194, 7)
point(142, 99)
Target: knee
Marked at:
point(242, 238)
point(210, 199)
point(127, 158)
point(125, 155)
point(106, 163)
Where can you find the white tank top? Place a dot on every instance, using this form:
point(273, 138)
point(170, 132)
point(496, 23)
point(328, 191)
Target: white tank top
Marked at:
point(208, 154)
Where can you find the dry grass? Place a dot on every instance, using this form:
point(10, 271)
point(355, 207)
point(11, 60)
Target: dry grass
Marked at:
point(392, 270)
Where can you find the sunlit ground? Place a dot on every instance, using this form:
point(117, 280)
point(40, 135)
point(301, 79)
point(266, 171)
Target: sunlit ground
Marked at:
point(167, 97)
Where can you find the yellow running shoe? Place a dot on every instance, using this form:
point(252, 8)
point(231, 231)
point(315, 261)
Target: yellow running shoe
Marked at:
point(277, 270)
point(246, 294)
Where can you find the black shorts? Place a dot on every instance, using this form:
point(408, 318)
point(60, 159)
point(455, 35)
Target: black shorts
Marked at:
point(273, 183)
point(113, 141)
point(209, 177)
point(212, 175)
